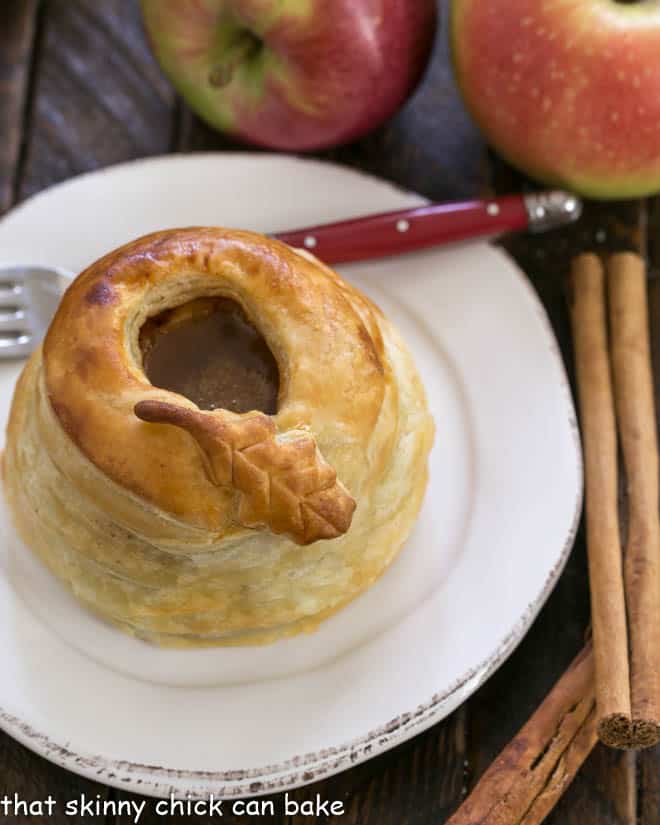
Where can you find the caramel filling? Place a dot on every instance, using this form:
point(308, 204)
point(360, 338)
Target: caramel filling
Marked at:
point(208, 351)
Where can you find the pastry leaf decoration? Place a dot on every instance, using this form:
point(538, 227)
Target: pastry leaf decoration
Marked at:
point(285, 484)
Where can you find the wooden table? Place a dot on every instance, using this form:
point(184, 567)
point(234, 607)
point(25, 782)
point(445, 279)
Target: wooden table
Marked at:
point(79, 90)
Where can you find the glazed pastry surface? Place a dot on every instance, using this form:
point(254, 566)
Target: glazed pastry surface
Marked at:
point(198, 526)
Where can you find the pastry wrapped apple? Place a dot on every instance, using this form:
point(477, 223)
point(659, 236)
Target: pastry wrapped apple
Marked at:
point(219, 442)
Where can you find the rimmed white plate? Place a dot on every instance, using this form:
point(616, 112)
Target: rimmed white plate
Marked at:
point(495, 530)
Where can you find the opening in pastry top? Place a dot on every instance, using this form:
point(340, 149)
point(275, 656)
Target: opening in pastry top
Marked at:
point(208, 351)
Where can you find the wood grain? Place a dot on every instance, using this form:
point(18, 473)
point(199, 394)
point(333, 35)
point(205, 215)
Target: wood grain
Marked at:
point(603, 793)
point(17, 28)
point(653, 237)
point(649, 775)
point(99, 97)
point(649, 761)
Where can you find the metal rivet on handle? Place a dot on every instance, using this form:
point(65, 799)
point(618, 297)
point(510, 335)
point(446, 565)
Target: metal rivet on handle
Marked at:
point(493, 209)
point(402, 225)
point(310, 242)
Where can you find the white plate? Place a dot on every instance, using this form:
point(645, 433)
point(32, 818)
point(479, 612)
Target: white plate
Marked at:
point(492, 538)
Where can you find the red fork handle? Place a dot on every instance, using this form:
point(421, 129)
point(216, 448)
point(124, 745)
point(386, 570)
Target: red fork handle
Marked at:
point(407, 230)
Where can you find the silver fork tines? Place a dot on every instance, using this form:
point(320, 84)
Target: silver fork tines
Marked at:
point(14, 321)
point(28, 299)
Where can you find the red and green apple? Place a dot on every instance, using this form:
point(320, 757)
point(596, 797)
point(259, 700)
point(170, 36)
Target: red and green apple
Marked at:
point(566, 90)
point(292, 74)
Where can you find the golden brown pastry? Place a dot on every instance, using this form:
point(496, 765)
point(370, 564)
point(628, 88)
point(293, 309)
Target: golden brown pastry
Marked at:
point(220, 441)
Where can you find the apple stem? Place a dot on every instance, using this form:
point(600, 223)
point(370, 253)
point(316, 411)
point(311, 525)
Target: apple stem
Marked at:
point(245, 45)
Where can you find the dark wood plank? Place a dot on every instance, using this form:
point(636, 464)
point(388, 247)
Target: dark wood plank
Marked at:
point(99, 97)
point(649, 762)
point(649, 772)
point(604, 792)
point(17, 27)
point(193, 135)
point(653, 234)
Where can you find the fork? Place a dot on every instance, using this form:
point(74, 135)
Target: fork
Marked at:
point(29, 295)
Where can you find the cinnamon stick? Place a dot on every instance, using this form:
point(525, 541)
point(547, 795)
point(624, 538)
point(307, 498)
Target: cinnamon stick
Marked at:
point(633, 387)
point(596, 696)
point(608, 609)
point(528, 777)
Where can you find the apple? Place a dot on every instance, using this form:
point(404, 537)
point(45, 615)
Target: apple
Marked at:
point(292, 74)
point(566, 90)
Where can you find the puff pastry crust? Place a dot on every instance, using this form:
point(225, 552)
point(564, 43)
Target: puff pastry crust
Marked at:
point(192, 527)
